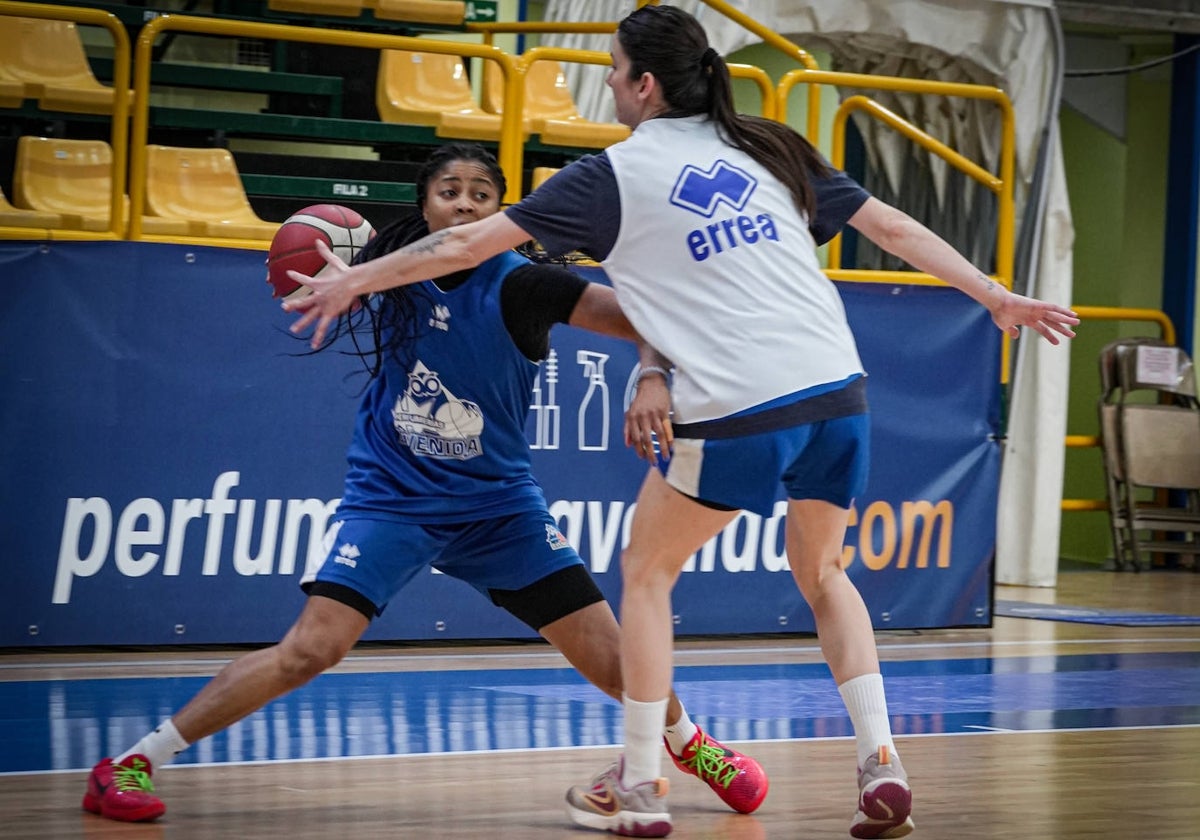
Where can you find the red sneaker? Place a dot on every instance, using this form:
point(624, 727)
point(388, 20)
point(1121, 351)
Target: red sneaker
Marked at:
point(123, 791)
point(738, 779)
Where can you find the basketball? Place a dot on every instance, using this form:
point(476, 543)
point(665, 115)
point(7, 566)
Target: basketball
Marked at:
point(295, 244)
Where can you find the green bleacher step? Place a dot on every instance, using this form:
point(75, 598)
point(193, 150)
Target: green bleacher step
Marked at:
point(329, 190)
point(235, 79)
point(244, 123)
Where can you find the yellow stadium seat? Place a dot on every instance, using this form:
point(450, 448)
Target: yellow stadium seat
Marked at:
point(17, 217)
point(46, 57)
point(339, 8)
point(12, 93)
point(418, 88)
point(444, 12)
point(550, 110)
point(541, 174)
point(72, 178)
point(198, 192)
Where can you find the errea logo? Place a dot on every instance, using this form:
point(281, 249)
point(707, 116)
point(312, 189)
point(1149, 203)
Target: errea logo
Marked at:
point(347, 555)
point(703, 191)
point(441, 317)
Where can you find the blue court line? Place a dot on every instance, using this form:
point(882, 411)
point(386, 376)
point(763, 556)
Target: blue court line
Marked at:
point(70, 724)
point(1092, 615)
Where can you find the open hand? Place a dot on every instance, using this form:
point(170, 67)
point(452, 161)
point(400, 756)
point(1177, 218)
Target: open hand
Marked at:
point(332, 296)
point(1047, 319)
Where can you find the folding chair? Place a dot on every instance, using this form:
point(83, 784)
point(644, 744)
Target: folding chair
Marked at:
point(1151, 450)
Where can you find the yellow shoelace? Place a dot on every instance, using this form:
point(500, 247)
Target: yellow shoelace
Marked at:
point(709, 762)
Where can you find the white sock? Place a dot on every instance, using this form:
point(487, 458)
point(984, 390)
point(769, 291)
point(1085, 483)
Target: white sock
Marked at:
point(680, 733)
point(160, 746)
point(867, 706)
point(643, 734)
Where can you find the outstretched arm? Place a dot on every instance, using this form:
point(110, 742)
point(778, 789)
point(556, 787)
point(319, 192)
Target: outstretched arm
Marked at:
point(337, 285)
point(898, 233)
point(597, 310)
point(650, 411)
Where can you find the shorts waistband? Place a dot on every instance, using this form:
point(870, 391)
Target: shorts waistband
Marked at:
point(843, 402)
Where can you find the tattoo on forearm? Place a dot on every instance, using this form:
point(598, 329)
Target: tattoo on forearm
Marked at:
point(988, 282)
point(427, 245)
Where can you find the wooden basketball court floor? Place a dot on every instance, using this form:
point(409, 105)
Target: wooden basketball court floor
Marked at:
point(1027, 729)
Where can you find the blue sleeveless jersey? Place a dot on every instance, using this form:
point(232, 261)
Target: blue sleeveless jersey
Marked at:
point(440, 434)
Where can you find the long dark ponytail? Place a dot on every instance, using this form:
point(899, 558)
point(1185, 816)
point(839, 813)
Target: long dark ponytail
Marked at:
point(672, 46)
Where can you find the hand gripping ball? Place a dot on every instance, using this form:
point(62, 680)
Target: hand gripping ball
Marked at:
point(295, 244)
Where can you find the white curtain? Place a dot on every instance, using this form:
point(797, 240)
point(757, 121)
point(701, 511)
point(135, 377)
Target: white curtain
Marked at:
point(1012, 44)
point(1029, 519)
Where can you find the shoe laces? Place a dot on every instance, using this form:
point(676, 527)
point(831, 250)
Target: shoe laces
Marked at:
point(127, 779)
point(709, 762)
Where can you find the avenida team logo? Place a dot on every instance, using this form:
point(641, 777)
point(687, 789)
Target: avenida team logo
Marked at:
point(434, 422)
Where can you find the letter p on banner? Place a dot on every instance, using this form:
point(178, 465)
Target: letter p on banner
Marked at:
point(70, 564)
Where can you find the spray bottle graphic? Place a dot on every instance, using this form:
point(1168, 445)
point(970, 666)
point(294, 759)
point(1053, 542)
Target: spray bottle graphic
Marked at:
point(593, 410)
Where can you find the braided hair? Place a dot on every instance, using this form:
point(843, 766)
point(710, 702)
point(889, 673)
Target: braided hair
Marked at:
point(394, 312)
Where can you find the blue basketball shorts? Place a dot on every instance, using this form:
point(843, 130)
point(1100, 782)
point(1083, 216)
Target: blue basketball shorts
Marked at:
point(826, 460)
point(377, 557)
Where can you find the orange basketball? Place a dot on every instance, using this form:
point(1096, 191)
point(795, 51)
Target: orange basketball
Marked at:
point(295, 244)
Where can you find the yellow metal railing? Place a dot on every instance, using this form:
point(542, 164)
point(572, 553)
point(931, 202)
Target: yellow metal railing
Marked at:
point(774, 39)
point(129, 144)
point(812, 76)
point(512, 152)
point(119, 131)
point(1002, 186)
point(1119, 313)
point(769, 36)
point(1111, 313)
point(922, 139)
point(143, 57)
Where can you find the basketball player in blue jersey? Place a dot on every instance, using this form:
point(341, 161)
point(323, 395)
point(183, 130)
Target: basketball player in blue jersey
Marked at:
point(706, 221)
point(440, 475)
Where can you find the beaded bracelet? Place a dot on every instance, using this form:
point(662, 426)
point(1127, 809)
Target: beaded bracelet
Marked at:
point(652, 369)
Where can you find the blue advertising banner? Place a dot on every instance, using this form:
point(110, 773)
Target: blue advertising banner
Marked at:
point(170, 454)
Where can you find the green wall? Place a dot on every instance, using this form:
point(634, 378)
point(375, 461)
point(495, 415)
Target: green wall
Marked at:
point(748, 99)
point(1117, 193)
